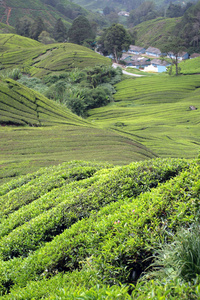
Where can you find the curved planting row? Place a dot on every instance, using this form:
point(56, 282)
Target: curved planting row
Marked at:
point(46, 182)
point(32, 108)
point(43, 204)
point(115, 241)
point(111, 186)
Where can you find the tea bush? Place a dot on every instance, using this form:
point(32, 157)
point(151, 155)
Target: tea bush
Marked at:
point(106, 189)
point(116, 230)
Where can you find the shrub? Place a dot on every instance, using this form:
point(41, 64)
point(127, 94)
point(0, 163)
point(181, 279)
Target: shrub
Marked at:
point(181, 257)
point(76, 105)
point(33, 83)
point(15, 74)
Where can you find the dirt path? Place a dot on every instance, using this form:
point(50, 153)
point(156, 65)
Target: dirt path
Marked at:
point(7, 12)
point(8, 15)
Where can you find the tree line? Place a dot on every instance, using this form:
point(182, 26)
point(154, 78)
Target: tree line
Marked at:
point(80, 31)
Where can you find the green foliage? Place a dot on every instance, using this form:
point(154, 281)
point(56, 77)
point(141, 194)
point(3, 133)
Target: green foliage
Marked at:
point(4, 28)
point(146, 11)
point(33, 83)
point(174, 289)
point(181, 257)
point(48, 10)
point(174, 45)
point(23, 106)
point(45, 38)
point(14, 74)
point(116, 230)
point(80, 31)
point(23, 27)
point(111, 244)
point(76, 105)
point(60, 31)
point(187, 29)
point(13, 42)
point(81, 90)
point(114, 40)
point(189, 66)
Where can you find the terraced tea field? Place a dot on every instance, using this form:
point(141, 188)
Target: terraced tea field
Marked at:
point(43, 133)
point(155, 112)
point(27, 149)
point(21, 106)
point(40, 60)
point(81, 230)
point(190, 66)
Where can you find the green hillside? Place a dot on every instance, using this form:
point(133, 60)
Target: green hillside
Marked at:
point(13, 42)
point(51, 134)
point(42, 60)
point(85, 230)
point(155, 32)
point(190, 66)
point(4, 28)
point(12, 10)
point(155, 112)
point(21, 106)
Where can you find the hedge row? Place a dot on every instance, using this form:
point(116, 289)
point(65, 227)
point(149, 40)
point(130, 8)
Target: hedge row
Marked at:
point(111, 186)
point(39, 186)
point(114, 241)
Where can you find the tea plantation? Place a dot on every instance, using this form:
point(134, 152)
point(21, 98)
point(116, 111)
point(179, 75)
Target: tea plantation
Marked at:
point(84, 230)
point(155, 112)
point(39, 60)
point(104, 206)
point(38, 132)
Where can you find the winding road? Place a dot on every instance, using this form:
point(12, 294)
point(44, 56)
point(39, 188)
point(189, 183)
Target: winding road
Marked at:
point(125, 72)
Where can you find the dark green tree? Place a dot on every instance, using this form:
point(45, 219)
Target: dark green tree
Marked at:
point(80, 31)
point(36, 28)
point(174, 11)
point(189, 28)
point(114, 40)
point(23, 27)
point(107, 10)
point(146, 11)
point(60, 31)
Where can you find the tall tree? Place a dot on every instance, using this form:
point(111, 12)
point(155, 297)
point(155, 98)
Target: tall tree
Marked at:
point(36, 28)
point(23, 27)
point(60, 31)
point(80, 31)
point(114, 40)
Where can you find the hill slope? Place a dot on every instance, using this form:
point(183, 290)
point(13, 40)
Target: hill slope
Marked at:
point(155, 32)
point(11, 10)
point(42, 60)
point(155, 112)
point(61, 135)
point(13, 42)
point(83, 229)
point(190, 66)
point(21, 106)
point(6, 28)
